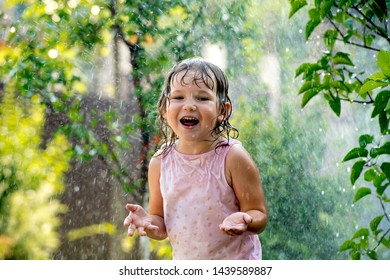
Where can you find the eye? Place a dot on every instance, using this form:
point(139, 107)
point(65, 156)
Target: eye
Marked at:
point(176, 97)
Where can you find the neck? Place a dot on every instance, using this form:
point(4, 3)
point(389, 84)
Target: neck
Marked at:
point(195, 148)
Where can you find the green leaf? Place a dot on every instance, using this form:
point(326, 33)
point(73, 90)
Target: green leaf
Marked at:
point(296, 5)
point(355, 255)
point(387, 105)
point(380, 189)
point(314, 21)
point(363, 232)
point(326, 8)
point(377, 76)
point(330, 38)
point(365, 139)
point(342, 2)
point(370, 85)
point(379, 8)
point(347, 245)
point(383, 123)
point(386, 242)
point(360, 193)
point(375, 223)
point(355, 153)
point(372, 254)
point(303, 68)
point(356, 170)
point(373, 152)
point(335, 105)
point(386, 169)
point(307, 85)
point(380, 102)
point(384, 62)
point(342, 58)
point(339, 85)
point(384, 149)
point(309, 95)
point(369, 39)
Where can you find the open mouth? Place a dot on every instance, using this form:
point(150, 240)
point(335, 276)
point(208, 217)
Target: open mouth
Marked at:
point(189, 121)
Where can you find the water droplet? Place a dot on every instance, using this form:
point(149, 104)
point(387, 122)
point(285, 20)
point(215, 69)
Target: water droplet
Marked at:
point(56, 18)
point(95, 10)
point(53, 53)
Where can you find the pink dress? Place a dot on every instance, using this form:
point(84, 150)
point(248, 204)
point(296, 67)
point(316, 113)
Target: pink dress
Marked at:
point(197, 198)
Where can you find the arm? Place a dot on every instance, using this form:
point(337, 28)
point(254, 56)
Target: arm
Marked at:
point(243, 175)
point(148, 224)
point(156, 210)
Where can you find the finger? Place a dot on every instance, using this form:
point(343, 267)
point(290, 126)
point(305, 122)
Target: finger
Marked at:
point(141, 231)
point(237, 232)
point(229, 232)
point(128, 220)
point(131, 207)
point(152, 227)
point(225, 229)
point(131, 230)
point(248, 219)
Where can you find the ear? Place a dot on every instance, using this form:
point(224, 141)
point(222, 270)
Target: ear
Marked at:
point(222, 116)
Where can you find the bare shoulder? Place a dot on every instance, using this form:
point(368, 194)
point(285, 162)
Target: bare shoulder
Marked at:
point(155, 163)
point(240, 165)
point(238, 155)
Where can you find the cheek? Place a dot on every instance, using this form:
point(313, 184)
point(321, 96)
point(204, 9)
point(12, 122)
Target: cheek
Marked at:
point(168, 108)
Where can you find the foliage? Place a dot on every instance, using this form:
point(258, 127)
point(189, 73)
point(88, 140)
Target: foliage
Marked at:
point(301, 202)
point(31, 178)
point(50, 49)
point(362, 25)
point(103, 228)
point(159, 249)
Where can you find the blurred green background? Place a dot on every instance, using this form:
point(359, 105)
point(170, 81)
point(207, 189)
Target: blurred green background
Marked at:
point(79, 80)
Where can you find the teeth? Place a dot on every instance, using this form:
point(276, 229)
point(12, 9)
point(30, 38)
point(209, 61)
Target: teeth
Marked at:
point(189, 119)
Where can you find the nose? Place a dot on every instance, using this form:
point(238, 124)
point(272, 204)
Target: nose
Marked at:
point(189, 105)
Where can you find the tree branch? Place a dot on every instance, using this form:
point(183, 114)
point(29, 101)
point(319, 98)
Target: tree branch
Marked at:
point(347, 41)
point(376, 28)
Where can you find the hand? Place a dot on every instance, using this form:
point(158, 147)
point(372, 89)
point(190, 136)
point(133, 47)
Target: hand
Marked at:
point(236, 223)
point(138, 219)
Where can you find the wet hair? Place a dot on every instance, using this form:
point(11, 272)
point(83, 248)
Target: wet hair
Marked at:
point(212, 76)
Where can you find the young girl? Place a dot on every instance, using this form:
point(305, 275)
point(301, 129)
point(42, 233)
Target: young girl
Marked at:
point(205, 192)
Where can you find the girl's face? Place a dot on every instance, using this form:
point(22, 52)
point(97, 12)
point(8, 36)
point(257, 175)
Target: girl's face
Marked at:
point(192, 109)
